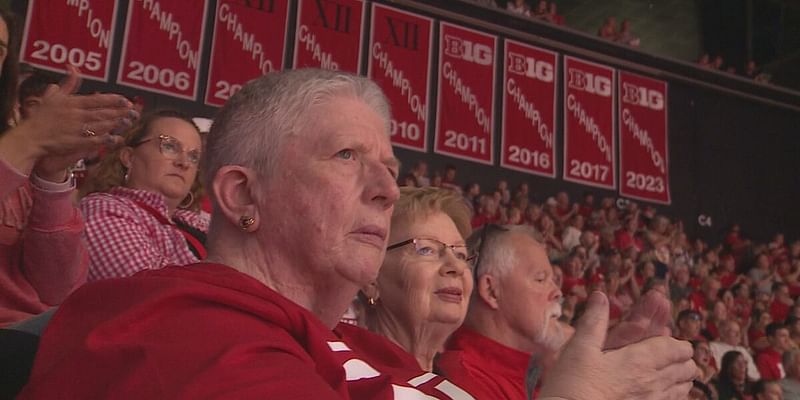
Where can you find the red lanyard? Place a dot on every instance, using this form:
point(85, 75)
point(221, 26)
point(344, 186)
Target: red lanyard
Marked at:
point(192, 241)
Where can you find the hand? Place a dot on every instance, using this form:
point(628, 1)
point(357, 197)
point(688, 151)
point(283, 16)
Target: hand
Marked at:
point(656, 368)
point(62, 123)
point(650, 316)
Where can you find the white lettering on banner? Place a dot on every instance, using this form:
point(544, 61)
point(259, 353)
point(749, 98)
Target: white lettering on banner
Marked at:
point(521, 65)
point(467, 97)
point(94, 24)
point(642, 96)
point(643, 137)
point(325, 59)
point(247, 39)
point(589, 125)
point(399, 81)
point(466, 50)
point(588, 82)
point(531, 112)
point(173, 28)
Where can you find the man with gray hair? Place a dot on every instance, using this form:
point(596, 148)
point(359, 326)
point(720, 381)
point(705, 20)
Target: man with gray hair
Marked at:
point(512, 332)
point(791, 383)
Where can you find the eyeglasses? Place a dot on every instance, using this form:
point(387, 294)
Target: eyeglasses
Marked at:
point(478, 254)
point(434, 249)
point(172, 148)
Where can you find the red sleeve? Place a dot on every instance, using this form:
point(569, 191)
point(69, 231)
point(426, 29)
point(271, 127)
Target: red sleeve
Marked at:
point(767, 368)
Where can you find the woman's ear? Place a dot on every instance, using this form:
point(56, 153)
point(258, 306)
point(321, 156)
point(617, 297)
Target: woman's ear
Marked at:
point(126, 157)
point(234, 190)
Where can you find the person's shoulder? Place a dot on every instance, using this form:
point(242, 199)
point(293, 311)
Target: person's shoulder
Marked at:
point(106, 202)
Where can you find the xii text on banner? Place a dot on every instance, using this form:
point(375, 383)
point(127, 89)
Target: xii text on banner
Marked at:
point(399, 61)
point(329, 34)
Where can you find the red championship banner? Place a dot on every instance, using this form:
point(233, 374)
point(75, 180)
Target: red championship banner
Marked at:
point(399, 61)
point(643, 150)
point(589, 155)
point(77, 32)
point(465, 107)
point(163, 46)
point(529, 109)
point(329, 34)
point(249, 41)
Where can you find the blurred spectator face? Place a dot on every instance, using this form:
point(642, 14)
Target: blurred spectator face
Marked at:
point(632, 224)
point(762, 262)
point(794, 249)
point(612, 282)
point(728, 300)
point(577, 221)
point(502, 185)
point(781, 340)
point(574, 267)
point(712, 288)
point(772, 391)
point(474, 189)
point(607, 202)
point(690, 326)
point(491, 206)
point(563, 199)
point(450, 175)
point(728, 264)
point(705, 59)
point(523, 188)
point(498, 197)
point(541, 8)
point(648, 270)
point(720, 311)
point(514, 216)
point(743, 291)
point(739, 370)
point(597, 219)
point(553, 8)
point(545, 223)
point(421, 169)
point(682, 276)
point(588, 198)
point(763, 320)
point(612, 215)
point(534, 212)
point(436, 181)
point(409, 181)
point(731, 333)
point(718, 61)
point(588, 239)
point(150, 169)
point(702, 352)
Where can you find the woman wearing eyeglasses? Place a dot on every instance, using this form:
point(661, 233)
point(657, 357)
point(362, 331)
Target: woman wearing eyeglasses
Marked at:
point(142, 210)
point(422, 291)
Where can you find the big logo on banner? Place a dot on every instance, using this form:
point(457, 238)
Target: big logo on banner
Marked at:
point(329, 35)
point(399, 61)
point(249, 41)
point(643, 141)
point(77, 32)
point(465, 107)
point(529, 109)
point(589, 155)
point(163, 46)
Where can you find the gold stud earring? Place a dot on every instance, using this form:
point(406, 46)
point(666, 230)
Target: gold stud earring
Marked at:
point(246, 222)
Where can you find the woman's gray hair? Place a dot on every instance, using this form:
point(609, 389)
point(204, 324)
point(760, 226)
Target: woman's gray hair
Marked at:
point(253, 125)
point(495, 256)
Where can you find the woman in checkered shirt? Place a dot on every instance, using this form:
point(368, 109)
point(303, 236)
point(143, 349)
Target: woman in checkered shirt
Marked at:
point(143, 208)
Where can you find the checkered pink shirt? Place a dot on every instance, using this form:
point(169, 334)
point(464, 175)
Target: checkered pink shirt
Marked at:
point(123, 238)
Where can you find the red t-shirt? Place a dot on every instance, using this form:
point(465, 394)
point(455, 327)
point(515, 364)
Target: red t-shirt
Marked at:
point(198, 331)
point(487, 369)
point(779, 310)
point(698, 301)
point(728, 279)
point(769, 365)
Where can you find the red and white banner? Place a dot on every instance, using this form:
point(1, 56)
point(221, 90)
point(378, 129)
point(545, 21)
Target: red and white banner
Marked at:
point(529, 109)
point(77, 32)
point(643, 140)
point(249, 41)
point(465, 106)
point(589, 155)
point(329, 34)
point(163, 46)
point(399, 61)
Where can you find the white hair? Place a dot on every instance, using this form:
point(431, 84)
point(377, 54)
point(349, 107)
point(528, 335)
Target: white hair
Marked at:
point(253, 125)
point(496, 256)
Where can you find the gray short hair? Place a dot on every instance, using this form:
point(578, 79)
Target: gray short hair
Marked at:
point(253, 125)
point(493, 246)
